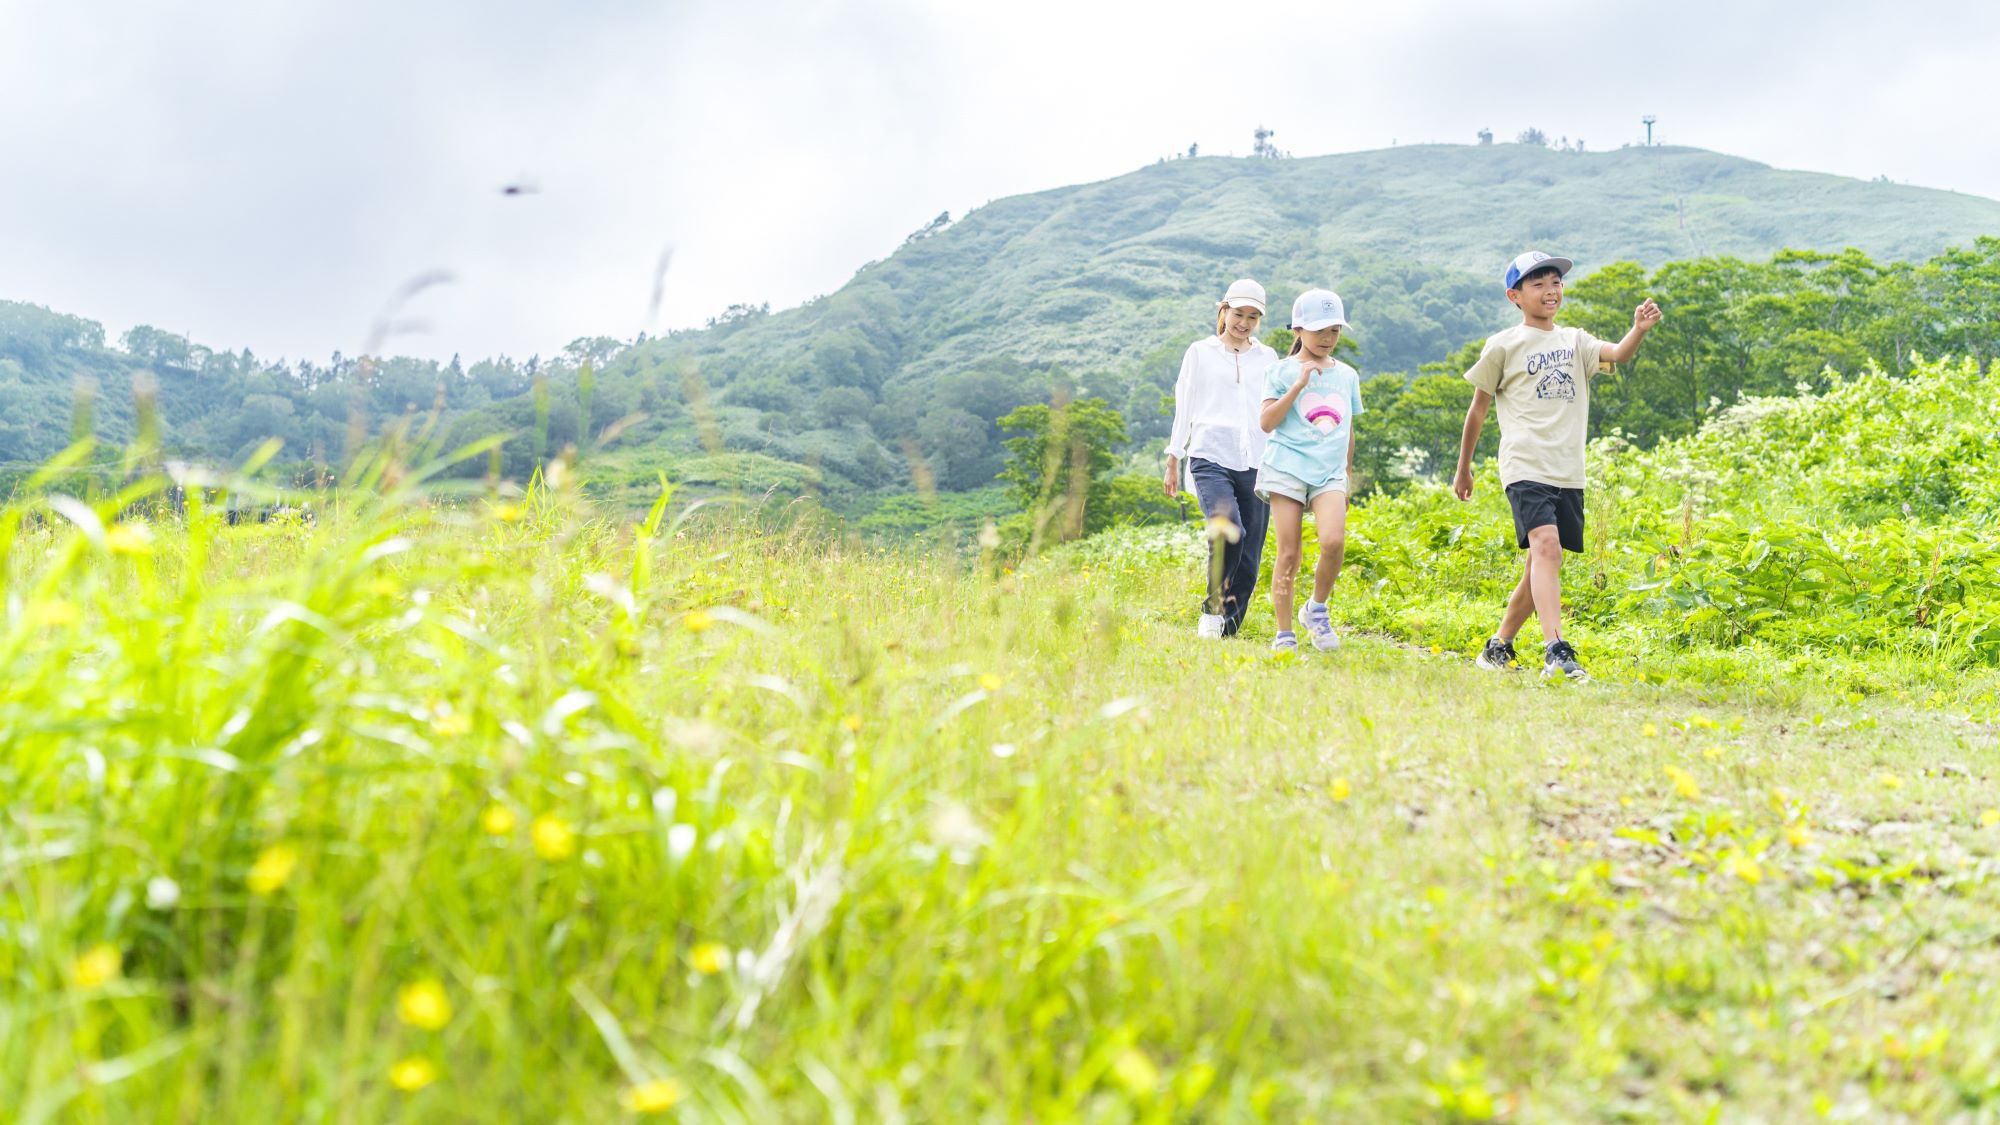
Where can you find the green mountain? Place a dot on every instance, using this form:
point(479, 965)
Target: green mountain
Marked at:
point(1109, 281)
point(1101, 285)
point(1414, 238)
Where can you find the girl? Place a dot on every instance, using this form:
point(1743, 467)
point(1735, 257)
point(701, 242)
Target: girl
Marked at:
point(1217, 438)
point(1310, 400)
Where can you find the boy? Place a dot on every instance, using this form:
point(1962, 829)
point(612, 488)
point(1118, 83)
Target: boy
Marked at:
point(1540, 376)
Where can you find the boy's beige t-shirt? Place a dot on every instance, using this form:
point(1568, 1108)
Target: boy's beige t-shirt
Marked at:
point(1540, 380)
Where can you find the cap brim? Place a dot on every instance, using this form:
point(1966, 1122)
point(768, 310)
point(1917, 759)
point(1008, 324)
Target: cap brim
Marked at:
point(1315, 326)
point(1562, 267)
point(1245, 303)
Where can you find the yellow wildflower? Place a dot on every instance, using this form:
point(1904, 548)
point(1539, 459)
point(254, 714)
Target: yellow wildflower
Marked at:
point(697, 621)
point(657, 1096)
point(1684, 782)
point(497, 820)
point(274, 865)
point(413, 1074)
point(710, 957)
point(1989, 818)
point(99, 965)
point(1339, 790)
point(1649, 731)
point(1746, 869)
point(1798, 835)
point(852, 723)
point(1475, 1104)
point(991, 681)
point(1890, 781)
point(129, 539)
point(554, 839)
point(423, 1004)
point(450, 724)
point(50, 615)
point(1135, 1071)
point(506, 512)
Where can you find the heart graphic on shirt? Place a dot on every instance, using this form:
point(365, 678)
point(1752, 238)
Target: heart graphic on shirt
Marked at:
point(1320, 411)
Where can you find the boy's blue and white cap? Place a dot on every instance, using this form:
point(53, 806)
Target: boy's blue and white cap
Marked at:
point(1244, 292)
point(1318, 308)
point(1530, 262)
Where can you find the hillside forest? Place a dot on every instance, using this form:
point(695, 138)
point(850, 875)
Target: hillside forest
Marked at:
point(1736, 328)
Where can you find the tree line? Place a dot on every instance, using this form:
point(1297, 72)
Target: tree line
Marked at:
point(861, 429)
point(1734, 329)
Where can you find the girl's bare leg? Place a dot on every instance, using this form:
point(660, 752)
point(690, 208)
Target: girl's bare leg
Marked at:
point(1288, 518)
point(1330, 518)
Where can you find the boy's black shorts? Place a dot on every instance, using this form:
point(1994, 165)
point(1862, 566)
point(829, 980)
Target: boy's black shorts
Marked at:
point(1537, 505)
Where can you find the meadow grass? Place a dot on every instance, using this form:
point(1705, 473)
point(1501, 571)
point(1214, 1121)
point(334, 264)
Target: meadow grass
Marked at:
point(519, 812)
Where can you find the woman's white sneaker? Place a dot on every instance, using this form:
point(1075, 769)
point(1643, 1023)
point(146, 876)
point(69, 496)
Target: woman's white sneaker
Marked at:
point(1210, 627)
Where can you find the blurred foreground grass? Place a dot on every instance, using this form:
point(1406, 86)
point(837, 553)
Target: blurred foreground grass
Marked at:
point(519, 813)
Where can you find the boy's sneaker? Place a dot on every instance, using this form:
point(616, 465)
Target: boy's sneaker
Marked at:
point(1497, 656)
point(1559, 659)
point(1210, 627)
point(1319, 626)
point(1285, 641)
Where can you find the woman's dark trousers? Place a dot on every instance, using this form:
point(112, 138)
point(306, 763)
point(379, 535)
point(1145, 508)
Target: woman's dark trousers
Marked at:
point(1230, 494)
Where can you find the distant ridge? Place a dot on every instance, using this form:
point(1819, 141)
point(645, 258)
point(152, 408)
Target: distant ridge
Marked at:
point(1086, 275)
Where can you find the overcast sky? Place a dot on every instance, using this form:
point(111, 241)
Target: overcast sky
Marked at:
point(270, 174)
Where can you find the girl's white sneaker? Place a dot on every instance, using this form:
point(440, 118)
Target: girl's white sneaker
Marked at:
point(1210, 627)
point(1319, 626)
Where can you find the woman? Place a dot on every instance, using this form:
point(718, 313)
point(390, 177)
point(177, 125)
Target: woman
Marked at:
point(1218, 443)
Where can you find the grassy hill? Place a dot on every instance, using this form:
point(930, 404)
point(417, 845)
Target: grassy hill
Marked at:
point(1109, 281)
point(1095, 275)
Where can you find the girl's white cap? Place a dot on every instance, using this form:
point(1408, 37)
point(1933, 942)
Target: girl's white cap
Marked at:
point(1316, 309)
point(1244, 292)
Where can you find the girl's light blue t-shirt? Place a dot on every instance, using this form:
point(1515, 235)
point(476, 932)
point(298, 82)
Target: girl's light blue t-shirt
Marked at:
point(1311, 441)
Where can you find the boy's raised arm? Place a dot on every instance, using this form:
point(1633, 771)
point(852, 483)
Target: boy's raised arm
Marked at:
point(1644, 319)
point(1475, 420)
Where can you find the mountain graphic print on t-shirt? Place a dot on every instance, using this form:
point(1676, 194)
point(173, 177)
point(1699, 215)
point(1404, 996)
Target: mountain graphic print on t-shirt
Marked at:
point(1550, 370)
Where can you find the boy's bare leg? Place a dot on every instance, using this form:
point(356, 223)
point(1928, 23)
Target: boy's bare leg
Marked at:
point(1545, 559)
point(1520, 603)
point(1287, 517)
point(1330, 519)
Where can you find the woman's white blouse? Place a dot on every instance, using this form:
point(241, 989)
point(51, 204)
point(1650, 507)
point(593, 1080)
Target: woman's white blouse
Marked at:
point(1216, 402)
